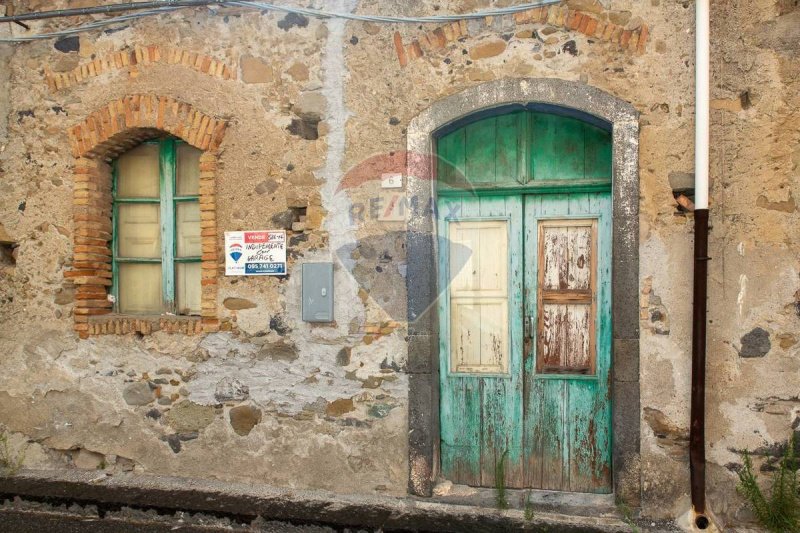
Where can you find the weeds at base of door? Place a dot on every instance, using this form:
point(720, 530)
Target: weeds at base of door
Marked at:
point(500, 498)
point(627, 517)
point(529, 512)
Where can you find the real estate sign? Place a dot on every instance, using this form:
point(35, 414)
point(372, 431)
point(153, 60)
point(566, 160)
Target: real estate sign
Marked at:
point(255, 253)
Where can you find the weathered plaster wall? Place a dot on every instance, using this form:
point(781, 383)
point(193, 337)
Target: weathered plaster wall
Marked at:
point(320, 409)
point(755, 291)
point(311, 103)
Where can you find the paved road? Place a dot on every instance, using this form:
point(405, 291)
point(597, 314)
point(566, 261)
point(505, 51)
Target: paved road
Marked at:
point(27, 521)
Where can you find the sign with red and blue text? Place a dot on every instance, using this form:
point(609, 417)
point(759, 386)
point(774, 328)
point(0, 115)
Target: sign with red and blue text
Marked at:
point(255, 253)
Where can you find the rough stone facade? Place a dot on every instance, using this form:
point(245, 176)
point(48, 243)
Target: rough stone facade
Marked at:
point(297, 116)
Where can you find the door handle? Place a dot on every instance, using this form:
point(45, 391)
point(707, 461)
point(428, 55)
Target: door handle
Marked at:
point(528, 327)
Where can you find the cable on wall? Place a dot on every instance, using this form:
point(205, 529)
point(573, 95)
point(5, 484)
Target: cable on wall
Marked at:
point(95, 25)
point(260, 6)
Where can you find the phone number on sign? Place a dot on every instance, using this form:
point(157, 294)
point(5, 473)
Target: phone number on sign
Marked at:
point(271, 268)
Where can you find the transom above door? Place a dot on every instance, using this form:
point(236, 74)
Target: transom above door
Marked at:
point(524, 306)
point(522, 151)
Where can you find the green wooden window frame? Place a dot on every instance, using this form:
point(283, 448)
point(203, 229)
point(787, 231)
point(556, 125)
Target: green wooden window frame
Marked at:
point(168, 200)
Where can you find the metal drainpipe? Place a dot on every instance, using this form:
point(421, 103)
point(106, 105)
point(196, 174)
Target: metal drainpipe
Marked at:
point(697, 454)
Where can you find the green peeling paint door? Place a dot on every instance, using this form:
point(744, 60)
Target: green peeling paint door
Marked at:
point(525, 340)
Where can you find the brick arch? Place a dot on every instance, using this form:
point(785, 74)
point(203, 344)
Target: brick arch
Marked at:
point(103, 135)
point(123, 123)
point(131, 60)
point(598, 26)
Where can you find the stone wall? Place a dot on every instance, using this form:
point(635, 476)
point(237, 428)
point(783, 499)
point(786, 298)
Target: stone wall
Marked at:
point(313, 112)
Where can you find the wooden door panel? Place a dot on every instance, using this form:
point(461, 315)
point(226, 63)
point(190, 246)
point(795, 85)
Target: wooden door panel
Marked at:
point(553, 433)
point(479, 335)
point(481, 341)
point(501, 440)
point(550, 430)
point(589, 468)
point(478, 295)
point(567, 411)
point(565, 344)
point(460, 421)
point(566, 295)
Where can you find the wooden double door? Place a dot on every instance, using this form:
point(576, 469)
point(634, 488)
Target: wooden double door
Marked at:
point(525, 340)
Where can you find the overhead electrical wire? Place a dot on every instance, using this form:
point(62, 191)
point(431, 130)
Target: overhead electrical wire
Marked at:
point(167, 6)
point(321, 13)
point(106, 9)
point(89, 26)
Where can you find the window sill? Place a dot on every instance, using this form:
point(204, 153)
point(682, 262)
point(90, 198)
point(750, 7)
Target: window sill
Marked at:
point(117, 324)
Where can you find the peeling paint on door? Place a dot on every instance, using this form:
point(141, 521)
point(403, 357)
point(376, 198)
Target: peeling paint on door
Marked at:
point(537, 395)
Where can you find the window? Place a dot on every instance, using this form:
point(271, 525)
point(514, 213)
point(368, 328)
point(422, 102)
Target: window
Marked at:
point(156, 248)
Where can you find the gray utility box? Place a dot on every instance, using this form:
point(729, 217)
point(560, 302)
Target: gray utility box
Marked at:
point(317, 292)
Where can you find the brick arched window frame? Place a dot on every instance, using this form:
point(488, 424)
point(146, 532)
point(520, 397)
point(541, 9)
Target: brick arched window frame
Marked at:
point(101, 137)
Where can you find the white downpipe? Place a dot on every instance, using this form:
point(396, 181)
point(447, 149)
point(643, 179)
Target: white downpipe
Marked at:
point(702, 96)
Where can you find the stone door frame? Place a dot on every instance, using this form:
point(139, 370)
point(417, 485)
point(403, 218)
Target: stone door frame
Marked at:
point(423, 343)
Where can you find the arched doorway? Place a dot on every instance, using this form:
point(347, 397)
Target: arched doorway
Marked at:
point(524, 308)
point(611, 218)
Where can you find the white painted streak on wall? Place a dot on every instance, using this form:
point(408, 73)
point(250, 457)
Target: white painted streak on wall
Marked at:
point(334, 72)
point(742, 293)
point(341, 229)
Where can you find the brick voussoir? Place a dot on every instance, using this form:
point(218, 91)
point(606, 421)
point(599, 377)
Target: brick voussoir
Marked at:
point(591, 25)
point(114, 128)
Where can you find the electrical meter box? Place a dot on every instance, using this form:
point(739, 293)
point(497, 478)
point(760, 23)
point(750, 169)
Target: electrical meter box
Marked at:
point(317, 292)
